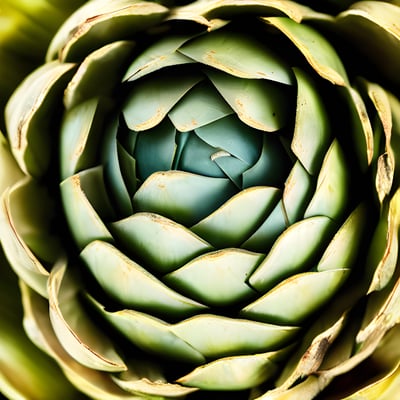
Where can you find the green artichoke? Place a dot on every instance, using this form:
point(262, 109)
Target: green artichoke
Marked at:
point(200, 200)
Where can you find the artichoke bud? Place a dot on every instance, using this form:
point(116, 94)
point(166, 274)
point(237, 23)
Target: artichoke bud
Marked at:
point(216, 190)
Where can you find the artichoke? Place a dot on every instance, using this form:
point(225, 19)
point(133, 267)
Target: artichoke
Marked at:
point(200, 200)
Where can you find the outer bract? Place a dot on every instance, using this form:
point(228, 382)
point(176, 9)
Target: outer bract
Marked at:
point(201, 200)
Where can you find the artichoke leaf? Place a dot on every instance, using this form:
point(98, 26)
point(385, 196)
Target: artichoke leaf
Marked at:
point(381, 101)
point(217, 336)
point(101, 22)
point(147, 387)
point(159, 55)
point(79, 137)
point(78, 193)
point(73, 327)
point(182, 196)
point(201, 106)
point(294, 251)
point(94, 383)
point(224, 8)
point(119, 170)
point(106, 61)
point(383, 254)
point(328, 340)
point(151, 334)
point(262, 239)
point(175, 244)
point(238, 55)
point(311, 132)
point(368, 340)
point(233, 222)
point(217, 278)
point(261, 104)
point(155, 149)
point(296, 298)
point(33, 221)
point(152, 98)
point(235, 373)
point(345, 245)
point(27, 115)
point(10, 172)
point(24, 225)
point(330, 197)
point(272, 166)
point(361, 128)
point(380, 21)
point(312, 359)
point(147, 378)
point(307, 389)
point(385, 318)
point(25, 371)
point(128, 171)
point(297, 192)
point(386, 161)
point(133, 286)
point(320, 54)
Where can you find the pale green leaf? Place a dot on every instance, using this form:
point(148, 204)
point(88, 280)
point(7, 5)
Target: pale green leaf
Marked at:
point(155, 149)
point(360, 127)
point(28, 116)
point(297, 297)
point(383, 252)
point(238, 218)
point(98, 23)
point(261, 104)
point(182, 196)
point(345, 245)
point(320, 54)
point(79, 336)
point(130, 284)
point(201, 106)
point(79, 137)
point(237, 373)
point(297, 192)
point(230, 8)
point(330, 197)
point(147, 388)
point(10, 173)
point(153, 97)
point(377, 20)
point(26, 225)
point(151, 335)
point(94, 383)
point(217, 336)
point(263, 238)
point(26, 372)
point(237, 54)
point(162, 244)
point(217, 278)
point(295, 250)
point(84, 196)
point(311, 132)
point(160, 54)
point(117, 175)
point(107, 61)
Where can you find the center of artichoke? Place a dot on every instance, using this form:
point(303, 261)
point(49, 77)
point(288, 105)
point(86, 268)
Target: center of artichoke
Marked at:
point(205, 148)
point(214, 195)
